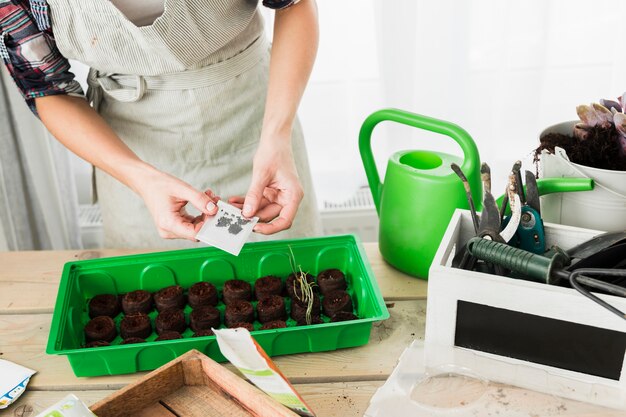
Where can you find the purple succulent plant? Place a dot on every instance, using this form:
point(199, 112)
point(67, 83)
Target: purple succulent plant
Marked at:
point(608, 114)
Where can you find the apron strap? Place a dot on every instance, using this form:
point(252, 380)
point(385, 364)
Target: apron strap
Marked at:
point(107, 84)
point(131, 88)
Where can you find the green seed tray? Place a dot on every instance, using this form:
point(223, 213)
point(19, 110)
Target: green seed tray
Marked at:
point(82, 280)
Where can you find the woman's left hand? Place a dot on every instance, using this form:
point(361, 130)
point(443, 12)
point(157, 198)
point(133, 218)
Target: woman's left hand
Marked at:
point(275, 192)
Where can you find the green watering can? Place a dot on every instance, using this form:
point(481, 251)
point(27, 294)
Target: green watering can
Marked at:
point(420, 193)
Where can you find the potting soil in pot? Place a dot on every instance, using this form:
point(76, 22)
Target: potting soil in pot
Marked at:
point(600, 149)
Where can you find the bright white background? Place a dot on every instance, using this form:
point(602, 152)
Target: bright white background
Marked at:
point(501, 69)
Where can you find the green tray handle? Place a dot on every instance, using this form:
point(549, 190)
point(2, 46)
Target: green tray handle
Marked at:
point(556, 185)
point(470, 151)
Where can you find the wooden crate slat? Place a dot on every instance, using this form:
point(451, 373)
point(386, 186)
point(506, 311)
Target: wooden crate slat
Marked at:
point(133, 398)
point(154, 410)
point(198, 401)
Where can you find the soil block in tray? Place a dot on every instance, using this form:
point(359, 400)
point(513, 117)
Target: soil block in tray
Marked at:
point(136, 325)
point(248, 326)
point(202, 294)
point(236, 289)
point(314, 320)
point(168, 335)
point(271, 308)
point(343, 316)
point(274, 324)
point(104, 305)
point(266, 286)
point(238, 311)
point(172, 319)
point(132, 340)
point(331, 279)
point(100, 328)
point(139, 301)
point(204, 318)
point(336, 301)
point(205, 332)
point(292, 284)
point(299, 308)
point(169, 297)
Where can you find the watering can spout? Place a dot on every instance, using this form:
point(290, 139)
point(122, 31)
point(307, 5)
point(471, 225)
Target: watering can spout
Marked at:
point(420, 192)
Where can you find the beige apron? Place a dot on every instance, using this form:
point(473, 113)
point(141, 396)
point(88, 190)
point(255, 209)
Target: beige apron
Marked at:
point(186, 94)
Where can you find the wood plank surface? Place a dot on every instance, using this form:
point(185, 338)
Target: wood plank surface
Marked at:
point(33, 402)
point(29, 280)
point(338, 399)
point(338, 383)
point(23, 339)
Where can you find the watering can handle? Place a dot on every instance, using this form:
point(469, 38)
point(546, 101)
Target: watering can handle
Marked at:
point(460, 136)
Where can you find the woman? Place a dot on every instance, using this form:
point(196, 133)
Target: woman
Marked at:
point(185, 96)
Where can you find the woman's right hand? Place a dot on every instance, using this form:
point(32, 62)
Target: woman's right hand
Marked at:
point(167, 197)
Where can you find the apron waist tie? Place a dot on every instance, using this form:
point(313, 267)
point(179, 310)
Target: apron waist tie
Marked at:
point(131, 88)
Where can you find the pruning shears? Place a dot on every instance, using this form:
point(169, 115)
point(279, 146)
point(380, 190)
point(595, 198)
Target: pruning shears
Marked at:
point(490, 225)
point(530, 234)
point(523, 226)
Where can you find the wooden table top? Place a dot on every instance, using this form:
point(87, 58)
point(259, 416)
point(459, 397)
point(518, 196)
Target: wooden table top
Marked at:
point(337, 383)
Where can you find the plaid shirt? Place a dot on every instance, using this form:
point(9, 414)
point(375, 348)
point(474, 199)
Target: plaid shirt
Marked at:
point(28, 49)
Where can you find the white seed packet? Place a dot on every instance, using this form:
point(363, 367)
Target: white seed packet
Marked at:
point(13, 381)
point(70, 406)
point(227, 230)
point(240, 348)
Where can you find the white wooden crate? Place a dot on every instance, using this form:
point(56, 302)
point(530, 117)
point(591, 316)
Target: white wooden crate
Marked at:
point(593, 328)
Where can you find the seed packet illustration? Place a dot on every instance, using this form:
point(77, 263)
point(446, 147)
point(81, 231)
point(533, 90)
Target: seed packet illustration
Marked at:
point(227, 230)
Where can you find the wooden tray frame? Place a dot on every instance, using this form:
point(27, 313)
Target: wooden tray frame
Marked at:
point(189, 386)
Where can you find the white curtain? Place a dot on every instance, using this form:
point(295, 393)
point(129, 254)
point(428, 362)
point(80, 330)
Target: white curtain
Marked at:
point(38, 204)
point(503, 70)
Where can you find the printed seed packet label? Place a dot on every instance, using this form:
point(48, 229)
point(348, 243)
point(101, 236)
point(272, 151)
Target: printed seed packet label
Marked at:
point(227, 230)
point(70, 406)
point(238, 346)
point(13, 381)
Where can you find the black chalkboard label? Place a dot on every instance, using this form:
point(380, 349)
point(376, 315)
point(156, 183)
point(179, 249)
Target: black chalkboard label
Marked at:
point(558, 343)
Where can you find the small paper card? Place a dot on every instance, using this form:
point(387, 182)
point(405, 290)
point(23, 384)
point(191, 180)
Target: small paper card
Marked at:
point(227, 230)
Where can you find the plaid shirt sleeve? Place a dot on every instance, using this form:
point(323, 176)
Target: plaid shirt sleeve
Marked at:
point(29, 51)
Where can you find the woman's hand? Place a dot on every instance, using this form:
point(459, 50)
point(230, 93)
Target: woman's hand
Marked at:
point(275, 192)
point(167, 197)
point(88, 136)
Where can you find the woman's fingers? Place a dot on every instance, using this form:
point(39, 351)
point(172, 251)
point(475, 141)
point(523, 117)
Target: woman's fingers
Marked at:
point(166, 197)
point(269, 212)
